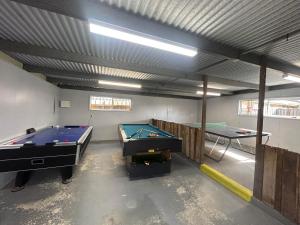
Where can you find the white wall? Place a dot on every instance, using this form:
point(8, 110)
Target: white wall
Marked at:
point(143, 108)
point(285, 132)
point(26, 101)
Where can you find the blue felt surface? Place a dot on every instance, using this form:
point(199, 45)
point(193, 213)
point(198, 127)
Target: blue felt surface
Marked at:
point(48, 135)
point(145, 130)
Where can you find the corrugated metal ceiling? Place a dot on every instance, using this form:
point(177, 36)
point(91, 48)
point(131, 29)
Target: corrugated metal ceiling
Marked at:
point(287, 50)
point(241, 71)
point(42, 28)
point(240, 23)
point(84, 68)
point(210, 85)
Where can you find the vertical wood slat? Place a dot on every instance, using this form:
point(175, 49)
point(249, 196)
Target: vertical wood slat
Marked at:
point(179, 132)
point(198, 145)
point(278, 181)
point(187, 141)
point(154, 122)
point(163, 125)
point(159, 124)
point(172, 128)
point(167, 126)
point(182, 133)
point(289, 186)
point(269, 179)
point(175, 129)
point(192, 143)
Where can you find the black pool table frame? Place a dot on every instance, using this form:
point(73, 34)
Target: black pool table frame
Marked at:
point(151, 144)
point(26, 157)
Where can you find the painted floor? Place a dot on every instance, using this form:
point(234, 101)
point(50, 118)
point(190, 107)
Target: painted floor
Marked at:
point(236, 164)
point(102, 194)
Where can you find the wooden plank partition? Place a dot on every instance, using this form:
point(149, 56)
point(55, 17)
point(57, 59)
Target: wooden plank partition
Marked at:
point(281, 181)
point(191, 137)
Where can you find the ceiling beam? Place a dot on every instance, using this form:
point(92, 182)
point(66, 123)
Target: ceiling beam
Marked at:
point(83, 88)
point(234, 83)
point(270, 88)
point(17, 47)
point(93, 85)
point(284, 86)
point(45, 70)
point(85, 10)
point(73, 75)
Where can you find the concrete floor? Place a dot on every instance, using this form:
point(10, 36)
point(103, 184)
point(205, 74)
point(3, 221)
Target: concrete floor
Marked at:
point(101, 194)
point(236, 164)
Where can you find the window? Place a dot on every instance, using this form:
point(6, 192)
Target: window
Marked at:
point(110, 104)
point(282, 108)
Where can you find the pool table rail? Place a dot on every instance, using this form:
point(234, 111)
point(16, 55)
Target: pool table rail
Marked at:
point(151, 144)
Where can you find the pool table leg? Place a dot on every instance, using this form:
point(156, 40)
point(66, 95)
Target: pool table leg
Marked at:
point(66, 174)
point(22, 178)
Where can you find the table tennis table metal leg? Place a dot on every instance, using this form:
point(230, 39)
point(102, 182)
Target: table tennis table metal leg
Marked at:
point(223, 154)
point(268, 138)
point(213, 148)
point(238, 141)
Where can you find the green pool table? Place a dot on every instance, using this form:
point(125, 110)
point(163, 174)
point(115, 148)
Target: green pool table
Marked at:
point(147, 149)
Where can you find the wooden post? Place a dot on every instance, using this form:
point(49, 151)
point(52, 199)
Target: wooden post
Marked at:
point(203, 118)
point(259, 156)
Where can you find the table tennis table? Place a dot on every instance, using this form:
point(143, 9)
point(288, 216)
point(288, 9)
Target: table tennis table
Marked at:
point(222, 130)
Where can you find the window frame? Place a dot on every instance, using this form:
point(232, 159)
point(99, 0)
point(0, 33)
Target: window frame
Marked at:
point(112, 100)
point(267, 108)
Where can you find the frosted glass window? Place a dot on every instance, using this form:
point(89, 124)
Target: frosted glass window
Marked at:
point(109, 103)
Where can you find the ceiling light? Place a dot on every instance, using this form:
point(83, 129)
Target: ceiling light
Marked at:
point(141, 39)
point(119, 84)
point(209, 93)
point(291, 78)
point(212, 86)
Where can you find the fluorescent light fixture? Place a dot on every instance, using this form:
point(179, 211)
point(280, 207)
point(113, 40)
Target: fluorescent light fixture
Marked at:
point(212, 86)
point(291, 78)
point(120, 33)
point(209, 93)
point(120, 84)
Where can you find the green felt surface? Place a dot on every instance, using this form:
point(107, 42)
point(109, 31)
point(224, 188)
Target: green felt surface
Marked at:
point(139, 131)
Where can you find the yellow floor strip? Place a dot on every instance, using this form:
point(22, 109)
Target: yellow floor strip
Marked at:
point(230, 184)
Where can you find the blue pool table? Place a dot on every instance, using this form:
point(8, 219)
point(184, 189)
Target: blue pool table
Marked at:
point(147, 149)
point(46, 148)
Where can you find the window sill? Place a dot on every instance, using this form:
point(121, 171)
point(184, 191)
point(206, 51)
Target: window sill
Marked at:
point(276, 117)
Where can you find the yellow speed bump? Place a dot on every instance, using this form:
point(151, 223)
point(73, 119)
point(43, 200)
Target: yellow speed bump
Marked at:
point(230, 184)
